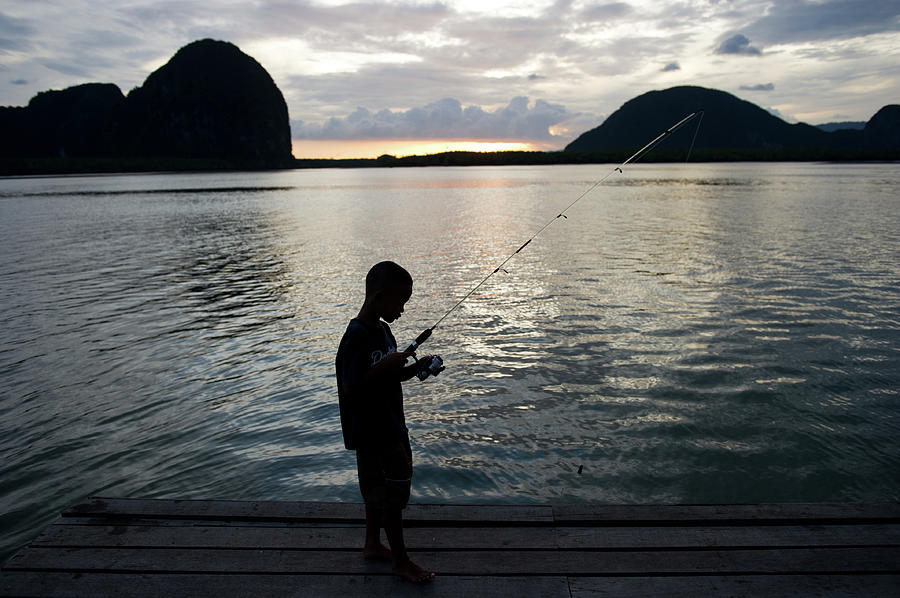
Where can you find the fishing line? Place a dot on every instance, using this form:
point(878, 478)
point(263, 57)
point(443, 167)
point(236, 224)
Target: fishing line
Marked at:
point(694, 138)
point(634, 157)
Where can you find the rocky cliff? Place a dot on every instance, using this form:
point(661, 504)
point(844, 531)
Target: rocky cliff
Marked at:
point(209, 102)
point(728, 123)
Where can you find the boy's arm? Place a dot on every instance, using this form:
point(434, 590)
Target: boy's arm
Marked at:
point(409, 371)
point(357, 373)
point(391, 366)
point(413, 369)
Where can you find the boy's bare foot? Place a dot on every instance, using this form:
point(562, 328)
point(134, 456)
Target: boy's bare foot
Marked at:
point(377, 553)
point(412, 572)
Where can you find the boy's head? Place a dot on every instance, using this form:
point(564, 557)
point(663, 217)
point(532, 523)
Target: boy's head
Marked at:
point(388, 288)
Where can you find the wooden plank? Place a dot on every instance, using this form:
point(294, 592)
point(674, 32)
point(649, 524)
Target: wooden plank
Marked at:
point(101, 585)
point(731, 514)
point(510, 514)
point(769, 586)
point(654, 563)
point(769, 536)
point(479, 514)
point(474, 538)
point(305, 511)
point(156, 522)
point(317, 538)
point(527, 562)
point(218, 509)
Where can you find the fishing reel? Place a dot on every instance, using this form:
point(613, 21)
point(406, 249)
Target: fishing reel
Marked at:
point(430, 367)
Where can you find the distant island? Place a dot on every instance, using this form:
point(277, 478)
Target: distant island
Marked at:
point(736, 129)
point(212, 107)
point(732, 129)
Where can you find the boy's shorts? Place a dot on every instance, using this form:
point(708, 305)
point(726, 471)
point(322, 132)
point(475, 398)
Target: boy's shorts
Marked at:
point(385, 474)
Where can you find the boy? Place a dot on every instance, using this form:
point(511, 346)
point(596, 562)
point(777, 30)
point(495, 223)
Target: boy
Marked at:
point(369, 373)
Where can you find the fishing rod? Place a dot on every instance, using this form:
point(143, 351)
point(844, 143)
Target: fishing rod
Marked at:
point(435, 365)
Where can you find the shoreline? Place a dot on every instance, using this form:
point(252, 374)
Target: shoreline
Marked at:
point(22, 167)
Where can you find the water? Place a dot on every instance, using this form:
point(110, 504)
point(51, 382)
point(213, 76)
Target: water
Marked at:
point(690, 334)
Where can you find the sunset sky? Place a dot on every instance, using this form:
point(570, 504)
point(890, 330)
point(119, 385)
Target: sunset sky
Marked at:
point(367, 78)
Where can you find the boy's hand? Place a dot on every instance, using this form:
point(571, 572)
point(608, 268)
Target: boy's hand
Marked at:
point(390, 366)
point(395, 360)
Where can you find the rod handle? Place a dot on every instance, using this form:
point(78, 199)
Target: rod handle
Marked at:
point(419, 340)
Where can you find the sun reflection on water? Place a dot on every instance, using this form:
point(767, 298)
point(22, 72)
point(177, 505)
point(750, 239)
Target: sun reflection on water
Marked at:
point(690, 333)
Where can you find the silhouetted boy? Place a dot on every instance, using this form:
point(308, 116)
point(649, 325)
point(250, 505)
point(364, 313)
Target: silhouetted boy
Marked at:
point(369, 373)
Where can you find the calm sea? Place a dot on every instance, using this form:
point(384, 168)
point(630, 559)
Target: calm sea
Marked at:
point(689, 334)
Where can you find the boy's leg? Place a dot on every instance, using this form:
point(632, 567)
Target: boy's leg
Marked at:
point(403, 566)
point(397, 477)
point(373, 548)
point(371, 486)
point(393, 529)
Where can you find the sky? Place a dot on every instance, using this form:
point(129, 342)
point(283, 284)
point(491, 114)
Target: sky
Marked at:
point(367, 78)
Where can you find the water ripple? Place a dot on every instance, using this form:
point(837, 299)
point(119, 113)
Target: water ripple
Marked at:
point(704, 333)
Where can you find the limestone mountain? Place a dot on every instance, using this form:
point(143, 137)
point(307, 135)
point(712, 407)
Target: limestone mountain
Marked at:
point(69, 122)
point(728, 123)
point(883, 129)
point(209, 102)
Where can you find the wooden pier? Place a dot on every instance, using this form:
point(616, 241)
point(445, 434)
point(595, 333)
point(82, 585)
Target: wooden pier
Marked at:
point(195, 548)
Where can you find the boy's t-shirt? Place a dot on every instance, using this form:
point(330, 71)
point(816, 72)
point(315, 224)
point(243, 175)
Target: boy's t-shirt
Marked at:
point(373, 415)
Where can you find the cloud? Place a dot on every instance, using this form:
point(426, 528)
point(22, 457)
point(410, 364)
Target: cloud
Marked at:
point(330, 56)
point(759, 87)
point(66, 68)
point(19, 82)
point(580, 122)
point(737, 44)
point(14, 33)
point(784, 117)
point(792, 21)
point(605, 12)
point(623, 56)
point(507, 41)
point(444, 119)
